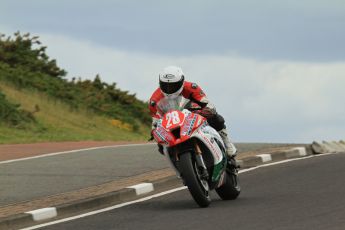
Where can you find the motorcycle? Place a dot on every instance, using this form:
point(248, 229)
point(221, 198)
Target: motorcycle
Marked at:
point(195, 151)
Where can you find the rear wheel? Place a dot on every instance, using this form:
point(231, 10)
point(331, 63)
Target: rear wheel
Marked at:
point(197, 187)
point(231, 188)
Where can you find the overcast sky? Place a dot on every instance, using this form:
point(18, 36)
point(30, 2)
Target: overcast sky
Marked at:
point(274, 69)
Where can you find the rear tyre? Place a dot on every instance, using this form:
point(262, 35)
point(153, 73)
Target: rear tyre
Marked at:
point(231, 188)
point(198, 188)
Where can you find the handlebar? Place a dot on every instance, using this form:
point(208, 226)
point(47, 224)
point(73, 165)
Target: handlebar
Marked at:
point(194, 109)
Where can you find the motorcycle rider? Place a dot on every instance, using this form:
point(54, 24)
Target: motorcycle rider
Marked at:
point(172, 84)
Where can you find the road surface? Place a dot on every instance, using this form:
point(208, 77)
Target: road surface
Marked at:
point(301, 194)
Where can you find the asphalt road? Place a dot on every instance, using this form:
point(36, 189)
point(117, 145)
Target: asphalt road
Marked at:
point(35, 178)
point(303, 194)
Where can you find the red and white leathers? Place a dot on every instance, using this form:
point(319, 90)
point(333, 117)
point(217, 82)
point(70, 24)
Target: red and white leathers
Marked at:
point(194, 93)
point(190, 91)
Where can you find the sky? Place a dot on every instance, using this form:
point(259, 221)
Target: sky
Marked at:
point(274, 69)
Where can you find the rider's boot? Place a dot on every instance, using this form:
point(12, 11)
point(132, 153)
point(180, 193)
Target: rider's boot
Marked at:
point(230, 150)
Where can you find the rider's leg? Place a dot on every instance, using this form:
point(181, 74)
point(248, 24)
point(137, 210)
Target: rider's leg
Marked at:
point(218, 123)
point(230, 148)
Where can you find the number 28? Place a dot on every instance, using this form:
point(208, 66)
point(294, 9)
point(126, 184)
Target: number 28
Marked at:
point(173, 118)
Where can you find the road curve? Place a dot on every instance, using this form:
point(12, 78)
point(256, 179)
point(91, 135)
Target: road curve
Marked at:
point(303, 194)
point(25, 180)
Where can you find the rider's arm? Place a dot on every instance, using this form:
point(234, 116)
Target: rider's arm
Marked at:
point(153, 108)
point(194, 93)
point(154, 122)
point(155, 116)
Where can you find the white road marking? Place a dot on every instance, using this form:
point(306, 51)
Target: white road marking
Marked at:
point(43, 213)
point(105, 209)
point(70, 151)
point(265, 157)
point(282, 162)
point(302, 151)
point(142, 188)
point(158, 195)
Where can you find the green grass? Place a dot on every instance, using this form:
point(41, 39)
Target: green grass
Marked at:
point(57, 122)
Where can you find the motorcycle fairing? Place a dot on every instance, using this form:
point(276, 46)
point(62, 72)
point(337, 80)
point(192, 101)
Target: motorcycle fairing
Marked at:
point(210, 137)
point(162, 136)
point(181, 126)
point(207, 135)
point(173, 132)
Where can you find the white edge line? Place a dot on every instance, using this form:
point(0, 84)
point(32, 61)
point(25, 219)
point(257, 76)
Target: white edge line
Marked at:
point(106, 209)
point(284, 161)
point(71, 151)
point(158, 195)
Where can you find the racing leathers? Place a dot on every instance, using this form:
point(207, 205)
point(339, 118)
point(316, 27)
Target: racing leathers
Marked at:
point(196, 95)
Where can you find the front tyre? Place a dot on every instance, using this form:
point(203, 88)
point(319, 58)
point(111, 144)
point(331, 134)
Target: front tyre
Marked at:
point(197, 187)
point(231, 188)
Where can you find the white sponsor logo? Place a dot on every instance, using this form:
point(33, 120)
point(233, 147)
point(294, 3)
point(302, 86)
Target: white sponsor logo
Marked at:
point(169, 76)
point(218, 155)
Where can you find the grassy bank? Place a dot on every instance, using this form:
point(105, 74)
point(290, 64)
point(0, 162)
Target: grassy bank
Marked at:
point(56, 121)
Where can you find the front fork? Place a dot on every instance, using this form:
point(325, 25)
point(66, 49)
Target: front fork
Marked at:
point(172, 165)
point(200, 161)
point(198, 157)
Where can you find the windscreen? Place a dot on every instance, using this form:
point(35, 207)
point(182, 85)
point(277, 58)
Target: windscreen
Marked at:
point(167, 104)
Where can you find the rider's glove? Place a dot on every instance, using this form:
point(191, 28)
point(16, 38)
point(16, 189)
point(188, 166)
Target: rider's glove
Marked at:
point(160, 149)
point(151, 136)
point(206, 112)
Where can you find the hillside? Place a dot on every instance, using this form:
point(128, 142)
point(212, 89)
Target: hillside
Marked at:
point(37, 102)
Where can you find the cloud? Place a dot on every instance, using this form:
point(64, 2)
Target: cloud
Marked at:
point(262, 101)
point(268, 30)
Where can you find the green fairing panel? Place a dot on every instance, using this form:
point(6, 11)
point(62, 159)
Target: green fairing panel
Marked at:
point(218, 169)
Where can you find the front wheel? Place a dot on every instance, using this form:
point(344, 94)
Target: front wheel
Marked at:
point(231, 188)
point(198, 187)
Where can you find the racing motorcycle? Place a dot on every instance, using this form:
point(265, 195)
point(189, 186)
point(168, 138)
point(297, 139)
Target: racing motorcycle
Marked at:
point(195, 150)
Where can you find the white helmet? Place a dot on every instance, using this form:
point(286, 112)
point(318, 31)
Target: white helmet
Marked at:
point(171, 81)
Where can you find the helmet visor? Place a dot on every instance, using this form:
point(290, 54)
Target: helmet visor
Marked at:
point(170, 87)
